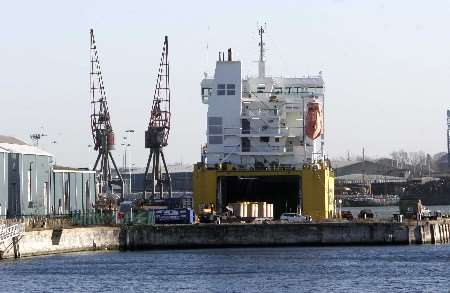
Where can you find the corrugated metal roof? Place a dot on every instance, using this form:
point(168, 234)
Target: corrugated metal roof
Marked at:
point(24, 149)
point(58, 168)
point(11, 144)
point(370, 178)
point(343, 163)
point(11, 140)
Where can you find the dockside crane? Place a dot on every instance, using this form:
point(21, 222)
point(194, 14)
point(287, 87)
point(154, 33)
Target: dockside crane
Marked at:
point(158, 130)
point(102, 132)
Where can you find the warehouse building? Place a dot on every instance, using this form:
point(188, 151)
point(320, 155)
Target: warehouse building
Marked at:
point(181, 176)
point(30, 185)
point(73, 190)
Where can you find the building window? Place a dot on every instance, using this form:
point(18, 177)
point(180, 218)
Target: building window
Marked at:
point(221, 89)
point(231, 89)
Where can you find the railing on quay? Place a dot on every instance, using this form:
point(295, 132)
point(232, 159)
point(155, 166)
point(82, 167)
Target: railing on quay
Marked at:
point(33, 222)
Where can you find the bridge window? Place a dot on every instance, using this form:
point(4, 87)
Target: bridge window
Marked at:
point(231, 89)
point(221, 89)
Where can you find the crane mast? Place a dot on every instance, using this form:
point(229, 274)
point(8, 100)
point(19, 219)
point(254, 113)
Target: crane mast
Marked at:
point(158, 130)
point(102, 132)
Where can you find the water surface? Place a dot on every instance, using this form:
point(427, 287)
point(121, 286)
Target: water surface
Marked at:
point(284, 269)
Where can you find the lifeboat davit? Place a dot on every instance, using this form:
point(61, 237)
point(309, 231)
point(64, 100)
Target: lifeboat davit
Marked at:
point(313, 120)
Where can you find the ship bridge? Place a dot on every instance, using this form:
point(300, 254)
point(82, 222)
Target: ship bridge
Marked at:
point(260, 121)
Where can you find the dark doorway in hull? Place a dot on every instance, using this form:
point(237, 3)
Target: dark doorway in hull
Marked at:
point(282, 191)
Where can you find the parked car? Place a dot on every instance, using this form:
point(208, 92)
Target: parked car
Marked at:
point(366, 214)
point(347, 215)
point(293, 218)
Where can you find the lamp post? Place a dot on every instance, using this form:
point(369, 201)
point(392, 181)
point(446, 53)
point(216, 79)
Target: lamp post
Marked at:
point(130, 131)
point(126, 145)
point(90, 146)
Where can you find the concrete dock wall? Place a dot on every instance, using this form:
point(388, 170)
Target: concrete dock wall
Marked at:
point(145, 237)
point(44, 242)
point(434, 232)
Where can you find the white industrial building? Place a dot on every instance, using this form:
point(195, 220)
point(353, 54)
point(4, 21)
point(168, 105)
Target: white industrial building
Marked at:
point(30, 184)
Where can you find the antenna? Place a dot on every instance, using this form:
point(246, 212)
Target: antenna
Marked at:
point(261, 62)
point(261, 44)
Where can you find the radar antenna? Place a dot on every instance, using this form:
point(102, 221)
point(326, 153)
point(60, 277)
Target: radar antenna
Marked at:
point(102, 132)
point(158, 129)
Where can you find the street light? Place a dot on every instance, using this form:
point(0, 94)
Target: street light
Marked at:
point(130, 131)
point(90, 150)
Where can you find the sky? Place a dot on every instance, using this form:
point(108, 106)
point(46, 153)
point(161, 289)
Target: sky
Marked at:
point(386, 66)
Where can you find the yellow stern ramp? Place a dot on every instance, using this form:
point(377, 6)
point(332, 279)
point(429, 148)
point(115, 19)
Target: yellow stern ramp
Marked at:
point(310, 190)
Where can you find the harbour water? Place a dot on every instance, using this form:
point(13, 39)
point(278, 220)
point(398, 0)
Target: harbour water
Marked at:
point(284, 269)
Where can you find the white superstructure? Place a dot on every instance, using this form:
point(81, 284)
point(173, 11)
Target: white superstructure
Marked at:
point(259, 121)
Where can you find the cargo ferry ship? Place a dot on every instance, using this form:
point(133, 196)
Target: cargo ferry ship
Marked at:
point(265, 141)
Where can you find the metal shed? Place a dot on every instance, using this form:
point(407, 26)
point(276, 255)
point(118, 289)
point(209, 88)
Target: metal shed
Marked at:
point(25, 178)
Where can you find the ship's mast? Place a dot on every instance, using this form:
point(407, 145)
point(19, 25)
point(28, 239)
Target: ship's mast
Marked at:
point(261, 63)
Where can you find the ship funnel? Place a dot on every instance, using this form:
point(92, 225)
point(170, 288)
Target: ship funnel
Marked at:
point(229, 55)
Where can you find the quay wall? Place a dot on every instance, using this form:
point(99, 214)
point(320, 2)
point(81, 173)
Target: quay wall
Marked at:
point(433, 232)
point(54, 241)
point(190, 236)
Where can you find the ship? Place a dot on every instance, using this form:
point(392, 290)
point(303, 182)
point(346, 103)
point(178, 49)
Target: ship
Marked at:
point(265, 141)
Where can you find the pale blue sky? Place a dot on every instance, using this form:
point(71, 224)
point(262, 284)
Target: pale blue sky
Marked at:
point(386, 65)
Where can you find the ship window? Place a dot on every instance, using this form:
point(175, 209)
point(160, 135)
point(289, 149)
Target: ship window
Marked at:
point(264, 139)
point(215, 139)
point(206, 91)
point(221, 89)
point(277, 139)
point(278, 90)
point(231, 89)
point(214, 120)
point(215, 129)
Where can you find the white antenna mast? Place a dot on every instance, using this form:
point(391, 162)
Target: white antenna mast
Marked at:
point(261, 62)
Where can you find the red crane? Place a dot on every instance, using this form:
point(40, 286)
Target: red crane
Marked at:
point(102, 132)
point(158, 129)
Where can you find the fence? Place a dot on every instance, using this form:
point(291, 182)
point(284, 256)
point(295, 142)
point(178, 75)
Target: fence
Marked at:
point(114, 218)
point(138, 218)
point(35, 222)
point(81, 219)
